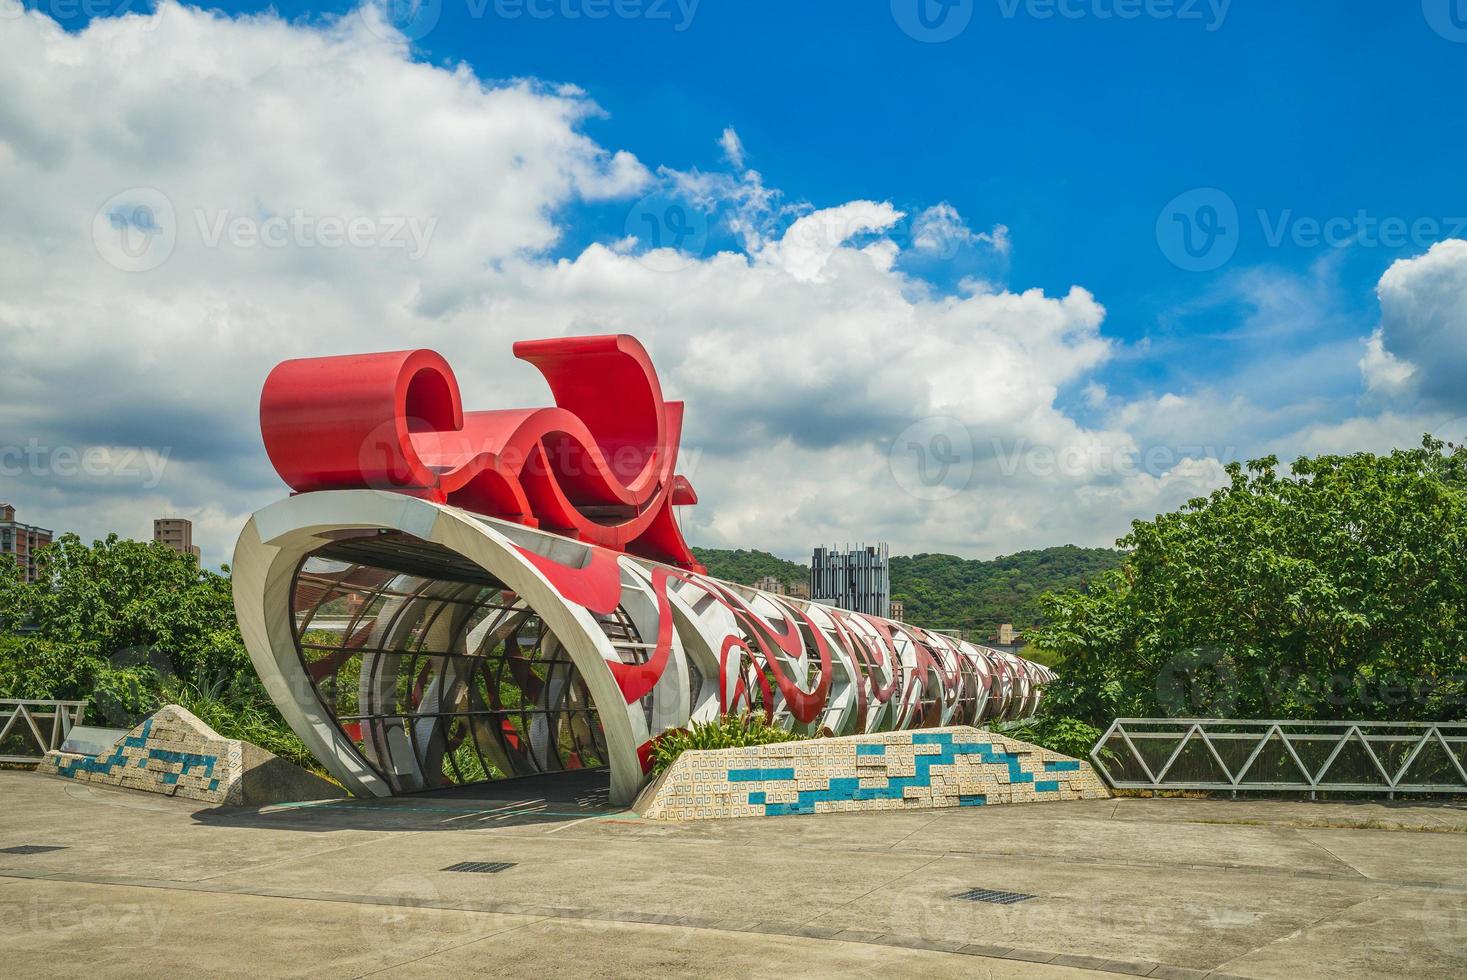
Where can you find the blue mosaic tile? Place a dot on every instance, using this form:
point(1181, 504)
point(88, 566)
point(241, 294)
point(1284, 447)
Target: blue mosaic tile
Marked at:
point(847, 789)
point(759, 775)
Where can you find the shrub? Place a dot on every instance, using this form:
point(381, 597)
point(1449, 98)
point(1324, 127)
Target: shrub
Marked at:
point(728, 732)
point(1070, 736)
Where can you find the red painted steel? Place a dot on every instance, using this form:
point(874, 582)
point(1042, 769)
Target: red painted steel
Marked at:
point(598, 467)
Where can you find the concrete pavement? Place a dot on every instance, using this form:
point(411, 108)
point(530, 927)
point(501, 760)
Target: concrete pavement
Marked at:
point(1168, 888)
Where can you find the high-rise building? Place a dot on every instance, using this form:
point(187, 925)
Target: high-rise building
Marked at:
point(858, 580)
point(897, 612)
point(21, 541)
point(176, 533)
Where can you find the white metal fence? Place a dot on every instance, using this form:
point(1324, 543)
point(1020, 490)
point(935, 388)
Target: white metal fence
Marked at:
point(1273, 756)
point(30, 729)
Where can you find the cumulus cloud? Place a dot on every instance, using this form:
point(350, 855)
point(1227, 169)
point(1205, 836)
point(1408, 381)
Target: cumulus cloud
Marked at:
point(189, 198)
point(1381, 369)
point(1422, 340)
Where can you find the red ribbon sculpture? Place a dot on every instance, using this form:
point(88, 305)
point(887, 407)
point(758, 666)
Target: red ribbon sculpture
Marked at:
point(599, 467)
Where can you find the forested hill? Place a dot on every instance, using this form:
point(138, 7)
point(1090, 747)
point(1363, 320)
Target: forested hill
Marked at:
point(746, 567)
point(945, 591)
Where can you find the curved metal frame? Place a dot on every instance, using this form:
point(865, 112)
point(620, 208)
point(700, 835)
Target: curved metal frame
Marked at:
point(685, 647)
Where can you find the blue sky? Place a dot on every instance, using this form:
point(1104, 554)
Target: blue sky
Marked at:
point(1074, 132)
point(1227, 183)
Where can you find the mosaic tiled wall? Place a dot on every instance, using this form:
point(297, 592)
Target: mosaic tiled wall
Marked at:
point(176, 754)
point(944, 767)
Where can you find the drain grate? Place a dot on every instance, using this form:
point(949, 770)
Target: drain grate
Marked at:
point(993, 897)
point(480, 867)
point(31, 849)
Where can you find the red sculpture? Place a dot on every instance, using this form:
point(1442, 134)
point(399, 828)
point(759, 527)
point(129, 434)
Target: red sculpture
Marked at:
point(599, 467)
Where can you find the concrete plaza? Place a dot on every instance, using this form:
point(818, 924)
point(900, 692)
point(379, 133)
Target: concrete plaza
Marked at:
point(151, 886)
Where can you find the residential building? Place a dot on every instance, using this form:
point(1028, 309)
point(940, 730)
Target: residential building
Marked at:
point(771, 584)
point(21, 541)
point(176, 533)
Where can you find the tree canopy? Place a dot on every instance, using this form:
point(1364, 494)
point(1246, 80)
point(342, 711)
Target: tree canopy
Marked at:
point(1337, 589)
point(114, 622)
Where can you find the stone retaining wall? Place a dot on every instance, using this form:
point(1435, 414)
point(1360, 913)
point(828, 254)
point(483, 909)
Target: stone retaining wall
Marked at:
point(942, 767)
point(176, 754)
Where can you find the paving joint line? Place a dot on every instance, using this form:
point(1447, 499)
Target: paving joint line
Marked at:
point(450, 949)
point(1332, 913)
point(536, 914)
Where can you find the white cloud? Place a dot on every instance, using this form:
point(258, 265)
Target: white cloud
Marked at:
point(803, 354)
point(941, 231)
point(1422, 340)
point(733, 147)
point(1381, 369)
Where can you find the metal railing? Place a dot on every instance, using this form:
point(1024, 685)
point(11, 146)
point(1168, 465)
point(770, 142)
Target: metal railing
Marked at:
point(41, 724)
point(1283, 756)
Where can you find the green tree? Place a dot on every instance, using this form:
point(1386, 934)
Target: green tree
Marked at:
point(1335, 590)
point(116, 622)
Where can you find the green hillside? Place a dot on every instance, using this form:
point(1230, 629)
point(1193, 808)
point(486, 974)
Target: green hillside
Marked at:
point(746, 567)
point(945, 591)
